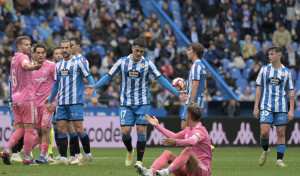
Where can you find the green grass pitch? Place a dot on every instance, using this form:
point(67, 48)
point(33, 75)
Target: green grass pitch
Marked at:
point(227, 161)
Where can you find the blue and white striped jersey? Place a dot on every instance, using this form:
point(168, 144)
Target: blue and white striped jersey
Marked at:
point(275, 86)
point(197, 73)
point(134, 80)
point(69, 75)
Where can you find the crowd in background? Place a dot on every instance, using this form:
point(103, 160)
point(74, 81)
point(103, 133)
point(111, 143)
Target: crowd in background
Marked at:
point(235, 33)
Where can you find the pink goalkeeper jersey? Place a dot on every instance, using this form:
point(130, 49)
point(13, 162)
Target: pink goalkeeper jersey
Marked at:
point(43, 81)
point(197, 139)
point(22, 85)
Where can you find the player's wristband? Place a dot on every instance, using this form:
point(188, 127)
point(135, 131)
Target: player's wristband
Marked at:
point(53, 92)
point(103, 81)
point(167, 85)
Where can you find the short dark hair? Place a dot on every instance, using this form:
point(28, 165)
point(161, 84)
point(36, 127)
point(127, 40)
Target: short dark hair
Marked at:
point(49, 53)
point(139, 42)
point(39, 46)
point(277, 49)
point(57, 47)
point(198, 49)
point(19, 40)
point(194, 110)
point(76, 39)
point(65, 41)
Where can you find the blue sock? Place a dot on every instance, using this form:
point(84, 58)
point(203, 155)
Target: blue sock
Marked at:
point(126, 138)
point(83, 135)
point(55, 129)
point(60, 136)
point(264, 144)
point(73, 135)
point(280, 151)
point(141, 137)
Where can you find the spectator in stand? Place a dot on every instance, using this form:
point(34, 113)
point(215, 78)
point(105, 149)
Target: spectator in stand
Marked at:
point(110, 98)
point(237, 61)
point(247, 95)
point(244, 12)
point(159, 52)
point(35, 38)
point(94, 59)
point(134, 32)
point(170, 50)
point(167, 70)
point(45, 30)
point(189, 8)
point(248, 48)
point(220, 44)
point(123, 48)
point(113, 5)
point(5, 15)
point(234, 46)
point(263, 7)
point(172, 105)
point(153, 19)
point(211, 84)
point(209, 9)
point(237, 6)
point(99, 32)
point(13, 30)
point(194, 35)
point(229, 81)
point(256, 27)
point(213, 56)
point(160, 99)
point(268, 26)
point(179, 71)
point(252, 6)
point(229, 17)
point(207, 96)
point(291, 59)
point(262, 56)
point(231, 108)
point(290, 11)
point(107, 63)
point(72, 12)
point(150, 42)
point(156, 32)
point(216, 32)
point(94, 73)
point(217, 96)
point(154, 88)
point(166, 9)
point(167, 32)
point(282, 36)
point(224, 6)
point(207, 37)
point(279, 10)
point(253, 75)
point(294, 28)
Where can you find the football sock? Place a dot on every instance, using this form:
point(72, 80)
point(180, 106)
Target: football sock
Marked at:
point(140, 146)
point(15, 148)
point(21, 143)
point(51, 142)
point(127, 142)
point(264, 144)
point(44, 148)
point(62, 144)
point(160, 162)
point(85, 141)
point(35, 140)
point(280, 151)
point(74, 144)
point(15, 137)
point(28, 141)
point(180, 161)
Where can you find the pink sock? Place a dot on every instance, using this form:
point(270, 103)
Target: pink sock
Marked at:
point(15, 138)
point(160, 162)
point(28, 141)
point(44, 148)
point(180, 161)
point(35, 141)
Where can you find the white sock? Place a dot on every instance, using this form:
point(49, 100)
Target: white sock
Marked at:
point(78, 155)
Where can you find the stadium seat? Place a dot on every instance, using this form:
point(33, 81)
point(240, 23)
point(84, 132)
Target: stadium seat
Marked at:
point(257, 45)
point(246, 73)
point(268, 42)
point(174, 6)
point(297, 85)
point(235, 73)
point(298, 76)
point(176, 15)
point(55, 22)
point(100, 50)
point(78, 21)
point(56, 28)
point(225, 63)
point(253, 90)
point(249, 63)
point(242, 43)
point(295, 46)
point(161, 3)
point(28, 30)
point(241, 82)
point(178, 24)
point(85, 49)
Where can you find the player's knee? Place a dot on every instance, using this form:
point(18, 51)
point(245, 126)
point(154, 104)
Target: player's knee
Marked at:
point(45, 130)
point(281, 134)
point(79, 131)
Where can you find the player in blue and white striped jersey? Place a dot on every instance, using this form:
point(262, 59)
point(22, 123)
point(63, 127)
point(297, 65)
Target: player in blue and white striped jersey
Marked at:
point(274, 86)
point(196, 81)
point(134, 95)
point(69, 84)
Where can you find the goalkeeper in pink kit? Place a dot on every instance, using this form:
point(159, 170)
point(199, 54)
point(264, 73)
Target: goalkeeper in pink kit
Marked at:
point(194, 160)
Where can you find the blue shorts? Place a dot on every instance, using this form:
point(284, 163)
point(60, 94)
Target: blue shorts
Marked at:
point(70, 112)
point(54, 119)
point(276, 118)
point(131, 115)
point(183, 115)
point(11, 113)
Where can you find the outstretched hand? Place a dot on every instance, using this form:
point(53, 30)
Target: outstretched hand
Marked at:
point(89, 89)
point(153, 121)
point(183, 96)
point(169, 141)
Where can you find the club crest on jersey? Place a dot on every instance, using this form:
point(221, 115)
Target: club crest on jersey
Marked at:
point(123, 121)
point(274, 80)
point(64, 72)
point(133, 74)
point(142, 65)
point(72, 63)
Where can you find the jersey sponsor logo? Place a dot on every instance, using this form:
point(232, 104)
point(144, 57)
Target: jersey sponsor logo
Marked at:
point(64, 72)
point(274, 80)
point(245, 135)
point(41, 79)
point(133, 74)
